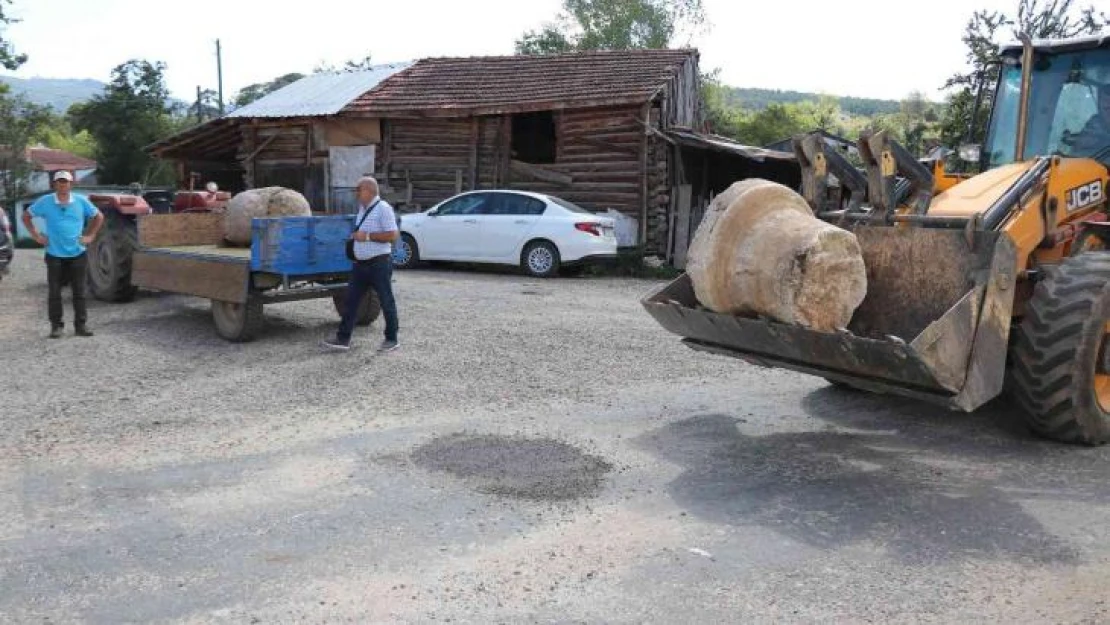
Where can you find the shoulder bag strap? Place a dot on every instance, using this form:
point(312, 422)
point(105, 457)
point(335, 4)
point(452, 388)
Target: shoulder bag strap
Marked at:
point(369, 210)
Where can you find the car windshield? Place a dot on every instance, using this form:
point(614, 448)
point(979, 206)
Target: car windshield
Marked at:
point(570, 206)
point(1064, 116)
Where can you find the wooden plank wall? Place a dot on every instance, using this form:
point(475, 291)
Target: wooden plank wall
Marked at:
point(181, 229)
point(600, 151)
point(492, 155)
point(226, 281)
point(433, 151)
point(682, 101)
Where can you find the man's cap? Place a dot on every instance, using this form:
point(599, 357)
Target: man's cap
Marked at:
point(63, 175)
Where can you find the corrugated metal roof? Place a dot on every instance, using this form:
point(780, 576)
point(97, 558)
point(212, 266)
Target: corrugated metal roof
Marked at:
point(724, 144)
point(318, 94)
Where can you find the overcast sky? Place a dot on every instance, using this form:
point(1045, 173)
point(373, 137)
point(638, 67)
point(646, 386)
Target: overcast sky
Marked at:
point(874, 48)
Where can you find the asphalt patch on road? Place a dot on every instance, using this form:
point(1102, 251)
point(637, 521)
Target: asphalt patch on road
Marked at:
point(541, 469)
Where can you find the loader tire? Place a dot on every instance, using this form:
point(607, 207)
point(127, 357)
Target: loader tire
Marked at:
point(1059, 360)
point(843, 386)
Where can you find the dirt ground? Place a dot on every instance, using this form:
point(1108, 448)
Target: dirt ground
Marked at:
point(536, 451)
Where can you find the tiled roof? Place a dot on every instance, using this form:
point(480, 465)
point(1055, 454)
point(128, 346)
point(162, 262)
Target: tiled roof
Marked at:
point(46, 159)
point(505, 84)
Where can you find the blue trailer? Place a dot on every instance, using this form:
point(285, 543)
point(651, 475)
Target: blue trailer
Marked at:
point(289, 259)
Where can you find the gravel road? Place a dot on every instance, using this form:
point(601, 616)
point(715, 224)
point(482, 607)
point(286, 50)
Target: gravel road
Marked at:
point(537, 451)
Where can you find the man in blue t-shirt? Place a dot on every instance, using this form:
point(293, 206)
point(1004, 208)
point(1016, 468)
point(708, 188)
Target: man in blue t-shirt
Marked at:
point(66, 215)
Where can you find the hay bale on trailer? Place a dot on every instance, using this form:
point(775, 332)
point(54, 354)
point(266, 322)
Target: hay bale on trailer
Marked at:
point(263, 202)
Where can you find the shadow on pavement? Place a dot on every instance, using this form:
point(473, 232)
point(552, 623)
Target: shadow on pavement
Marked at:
point(923, 483)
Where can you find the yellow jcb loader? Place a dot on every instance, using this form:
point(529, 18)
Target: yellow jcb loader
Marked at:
point(976, 283)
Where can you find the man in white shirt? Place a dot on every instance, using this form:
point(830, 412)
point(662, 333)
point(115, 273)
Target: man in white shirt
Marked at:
point(373, 267)
point(1093, 140)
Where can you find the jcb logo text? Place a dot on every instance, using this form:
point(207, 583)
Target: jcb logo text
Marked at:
point(1084, 195)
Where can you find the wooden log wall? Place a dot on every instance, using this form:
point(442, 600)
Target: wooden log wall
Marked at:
point(601, 152)
point(659, 189)
point(434, 152)
point(493, 154)
point(276, 145)
point(682, 98)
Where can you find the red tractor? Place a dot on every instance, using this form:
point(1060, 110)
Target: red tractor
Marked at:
point(110, 254)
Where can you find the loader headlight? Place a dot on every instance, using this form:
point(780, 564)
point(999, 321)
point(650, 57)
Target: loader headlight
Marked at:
point(970, 152)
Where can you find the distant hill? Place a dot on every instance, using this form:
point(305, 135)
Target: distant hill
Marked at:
point(59, 93)
point(758, 99)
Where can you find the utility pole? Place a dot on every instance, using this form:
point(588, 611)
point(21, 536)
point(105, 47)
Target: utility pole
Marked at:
point(200, 107)
point(220, 76)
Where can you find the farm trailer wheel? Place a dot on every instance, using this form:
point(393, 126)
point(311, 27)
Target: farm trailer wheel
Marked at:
point(368, 310)
point(237, 323)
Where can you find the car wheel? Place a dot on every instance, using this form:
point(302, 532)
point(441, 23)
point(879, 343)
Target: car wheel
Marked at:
point(408, 254)
point(540, 259)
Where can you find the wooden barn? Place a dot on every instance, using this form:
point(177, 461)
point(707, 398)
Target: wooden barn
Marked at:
point(295, 137)
point(595, 128)
point(606, 130)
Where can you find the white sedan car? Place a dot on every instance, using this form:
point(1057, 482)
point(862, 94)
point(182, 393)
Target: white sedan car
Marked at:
point(537, 232)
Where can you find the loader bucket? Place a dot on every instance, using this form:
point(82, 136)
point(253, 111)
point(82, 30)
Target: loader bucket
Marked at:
point(934, 325)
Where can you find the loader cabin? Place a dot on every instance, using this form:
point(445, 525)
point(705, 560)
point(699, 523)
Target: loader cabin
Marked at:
point(1062, 111)
point(1068, 105)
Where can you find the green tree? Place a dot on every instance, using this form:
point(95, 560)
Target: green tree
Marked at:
point(614, 25)
point(58, 133)
point(359, 65)
point(1040, 19)
point(773, 123)
point(133, 112)
point(207, 106)
point(9, 59)
point(256, 91)
point(61, 138)
point(721, 117)
point(20, 122)
point(916, 124)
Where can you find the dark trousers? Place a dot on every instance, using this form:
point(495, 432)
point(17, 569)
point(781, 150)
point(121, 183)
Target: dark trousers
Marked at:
point(376, 274)
point(61, 271)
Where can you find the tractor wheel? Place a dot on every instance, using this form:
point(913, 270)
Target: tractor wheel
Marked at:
point(368, 310)
point(109, 275)
point(237, 323)
point(1060, 357)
